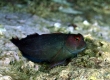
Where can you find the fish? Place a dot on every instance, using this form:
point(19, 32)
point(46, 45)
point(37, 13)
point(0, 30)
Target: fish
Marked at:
point(54, 48)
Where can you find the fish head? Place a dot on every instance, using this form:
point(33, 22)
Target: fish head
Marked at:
point(75, 43)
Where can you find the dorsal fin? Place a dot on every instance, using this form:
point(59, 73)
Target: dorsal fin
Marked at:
point(32, 35)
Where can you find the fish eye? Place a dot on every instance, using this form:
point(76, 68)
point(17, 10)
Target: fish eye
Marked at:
point(77, 38)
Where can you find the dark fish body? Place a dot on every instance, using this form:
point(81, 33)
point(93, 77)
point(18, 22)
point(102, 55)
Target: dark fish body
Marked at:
point(50, 48)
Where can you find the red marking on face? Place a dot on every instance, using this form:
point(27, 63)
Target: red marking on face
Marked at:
point(75, 41)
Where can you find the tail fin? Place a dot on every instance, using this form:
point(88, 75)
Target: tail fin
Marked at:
point(15, 41)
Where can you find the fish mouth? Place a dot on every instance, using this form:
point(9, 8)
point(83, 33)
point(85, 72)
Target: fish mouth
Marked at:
point(82, 49)
point(77, 51)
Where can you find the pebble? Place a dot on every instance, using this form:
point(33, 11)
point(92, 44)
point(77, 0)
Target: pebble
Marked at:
point(5, 62)
point(6, 78)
